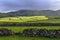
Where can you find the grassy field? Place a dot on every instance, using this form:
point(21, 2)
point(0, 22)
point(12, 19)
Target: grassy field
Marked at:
point(20, 28)
point(26, 38)
point(30, 19)
point(23, 18)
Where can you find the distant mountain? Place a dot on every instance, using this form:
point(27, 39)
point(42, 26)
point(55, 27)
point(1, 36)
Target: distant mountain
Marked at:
point(32, 13)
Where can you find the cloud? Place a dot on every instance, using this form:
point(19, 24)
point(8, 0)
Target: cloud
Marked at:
point(9, 5)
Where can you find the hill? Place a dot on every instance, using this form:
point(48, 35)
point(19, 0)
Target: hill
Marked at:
point(31, 13)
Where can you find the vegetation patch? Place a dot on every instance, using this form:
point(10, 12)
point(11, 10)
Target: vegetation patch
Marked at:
point(23, 18)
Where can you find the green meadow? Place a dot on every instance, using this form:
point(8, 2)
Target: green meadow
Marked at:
point(42, 19)
point(28, 19)
point(23, 18)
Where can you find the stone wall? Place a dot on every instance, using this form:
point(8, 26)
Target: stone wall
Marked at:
point(28, 24)
point(5, 32)
point(32, 32)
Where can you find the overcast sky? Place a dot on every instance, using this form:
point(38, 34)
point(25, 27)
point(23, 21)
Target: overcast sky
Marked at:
point(9, 5)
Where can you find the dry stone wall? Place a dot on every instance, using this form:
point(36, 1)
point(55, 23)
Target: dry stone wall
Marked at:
point(31, 32)
point(28, 24)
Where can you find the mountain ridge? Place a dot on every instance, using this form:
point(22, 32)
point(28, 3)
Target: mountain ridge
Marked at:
point(32, 13)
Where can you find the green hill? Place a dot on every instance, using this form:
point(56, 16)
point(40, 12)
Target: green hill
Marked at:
point(31, 13)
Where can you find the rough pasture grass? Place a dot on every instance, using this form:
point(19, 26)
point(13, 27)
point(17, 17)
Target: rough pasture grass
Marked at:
point(23, 18)
point(26, 38)
point(20, 28)
point(51, 21)
point(29, 19)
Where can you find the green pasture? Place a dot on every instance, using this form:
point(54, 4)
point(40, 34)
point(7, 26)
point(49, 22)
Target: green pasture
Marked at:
point(26, 38)
point(23, 18)
point(20, 28)
point(30, 19)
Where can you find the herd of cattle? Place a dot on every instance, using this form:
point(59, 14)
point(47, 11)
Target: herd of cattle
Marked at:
point(28, 24)
point(31, 32)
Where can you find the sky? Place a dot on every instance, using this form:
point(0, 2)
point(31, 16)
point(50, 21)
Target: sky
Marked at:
point(12, 5)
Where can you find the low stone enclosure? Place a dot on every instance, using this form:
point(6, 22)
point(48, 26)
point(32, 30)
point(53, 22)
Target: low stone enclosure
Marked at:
point(31, 32)
point(28, 24)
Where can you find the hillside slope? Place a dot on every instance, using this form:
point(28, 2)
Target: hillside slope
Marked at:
point(32, 13)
